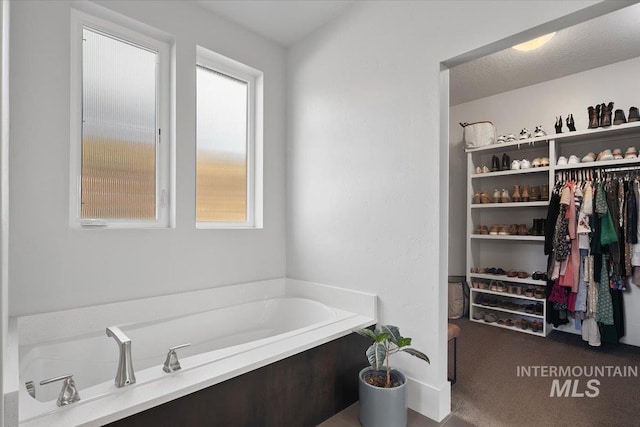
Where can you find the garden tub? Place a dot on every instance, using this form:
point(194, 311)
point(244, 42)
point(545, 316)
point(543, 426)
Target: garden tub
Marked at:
point(224, 342)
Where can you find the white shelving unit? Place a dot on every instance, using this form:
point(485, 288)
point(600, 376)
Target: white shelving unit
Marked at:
point(517, 252)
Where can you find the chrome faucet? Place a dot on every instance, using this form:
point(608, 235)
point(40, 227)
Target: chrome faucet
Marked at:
point(68, 394)
point(125, 374)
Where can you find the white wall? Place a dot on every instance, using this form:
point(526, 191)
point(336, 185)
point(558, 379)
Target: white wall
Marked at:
point(531, 106)
point(4, 197)
point(53, 267)
point(365, 160)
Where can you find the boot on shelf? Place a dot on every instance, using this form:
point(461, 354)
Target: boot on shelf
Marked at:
point(534, 193)
point(495, 164)
point(594, 114)
point(571, 124)
point(544, 192)
point(619, 118)
point(607, 112)
point(524, 193)
point(506, 162)
point(634, 114)
point(516, 194)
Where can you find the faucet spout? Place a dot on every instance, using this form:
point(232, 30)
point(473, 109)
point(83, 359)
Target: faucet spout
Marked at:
point(125, 374)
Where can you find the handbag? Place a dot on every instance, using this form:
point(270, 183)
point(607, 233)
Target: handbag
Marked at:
point(478, 134)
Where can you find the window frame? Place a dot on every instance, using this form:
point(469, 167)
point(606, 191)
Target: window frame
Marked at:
point(164, 140)
point(254, 79)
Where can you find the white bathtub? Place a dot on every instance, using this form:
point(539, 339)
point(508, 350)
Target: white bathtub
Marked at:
point(225, 342)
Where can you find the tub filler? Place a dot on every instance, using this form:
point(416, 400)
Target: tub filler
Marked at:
point(265, 322)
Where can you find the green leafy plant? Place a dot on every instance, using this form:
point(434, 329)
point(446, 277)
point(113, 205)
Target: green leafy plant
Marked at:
point(387, 341)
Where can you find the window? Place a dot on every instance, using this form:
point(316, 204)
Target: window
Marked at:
point(228, 139)
point(119, 147)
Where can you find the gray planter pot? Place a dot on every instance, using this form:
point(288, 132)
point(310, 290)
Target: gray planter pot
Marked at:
point(383, 407)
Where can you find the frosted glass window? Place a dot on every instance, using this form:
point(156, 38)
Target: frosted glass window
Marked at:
point(119, 129)
point(222, 137)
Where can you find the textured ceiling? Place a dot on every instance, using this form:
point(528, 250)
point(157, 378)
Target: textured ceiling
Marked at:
point(282, 21)
point(605, 40)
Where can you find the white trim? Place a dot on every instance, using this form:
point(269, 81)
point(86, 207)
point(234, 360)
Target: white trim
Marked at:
point(254, 78)
point(165, 140)
point(8, 408)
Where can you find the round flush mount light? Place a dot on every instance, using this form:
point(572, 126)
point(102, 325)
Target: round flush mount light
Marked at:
point(535, 43)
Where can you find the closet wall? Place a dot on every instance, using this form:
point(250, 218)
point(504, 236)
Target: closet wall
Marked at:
point(539, 105)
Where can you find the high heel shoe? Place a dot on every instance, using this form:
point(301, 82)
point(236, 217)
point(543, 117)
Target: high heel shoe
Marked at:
point(558, 124)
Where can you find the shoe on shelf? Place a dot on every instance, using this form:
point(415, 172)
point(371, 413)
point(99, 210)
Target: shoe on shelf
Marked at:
point(476, 229)
point(494, 230)
point(524, 193)
point(511, 137)
point(503, 230)
point(513, 230)
point(525, 134)
point(631, 153)
point(562, 161)
point(515, 165)
point(573, 160)
point(617, 154)
point(522, 274)
point(522, 230)
point(558, 124)
point(495, 163)
point(594, 116)
point(538, 132)
point(496, 196)
point(478, 170)
point(571, 124)
point(606, 111)
point(534, 193)
point(539, 275)
point(589, 157)
point(504, 196)
point(605, 155)
point(544, 161)
point(536, 163)
point(490, 318)
point(476, 198)
point(538, 309)
point(525, 164)
point(501, 139)
point(619, 117)
point(506, 162)
point(512, 273)
point(485, 169)
point(516, 193)
point(539, 293)
point(634, 115)
point(484, 197)
point(528, 293)
point(479, 315)
point(544, 192)
point(484, 230)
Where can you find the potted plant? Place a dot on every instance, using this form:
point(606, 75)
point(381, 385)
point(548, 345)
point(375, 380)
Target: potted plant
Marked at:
point(383, 397)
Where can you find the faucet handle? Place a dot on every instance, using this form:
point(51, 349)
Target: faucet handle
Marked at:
point(171, 363)
point(69, 393)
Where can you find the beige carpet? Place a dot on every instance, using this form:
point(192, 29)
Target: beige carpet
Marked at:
point(490, 393)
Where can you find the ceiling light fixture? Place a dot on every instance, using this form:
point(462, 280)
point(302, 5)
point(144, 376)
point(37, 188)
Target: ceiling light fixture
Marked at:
point(535, 43)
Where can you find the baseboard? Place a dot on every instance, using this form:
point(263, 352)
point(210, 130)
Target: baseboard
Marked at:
point(428, 400)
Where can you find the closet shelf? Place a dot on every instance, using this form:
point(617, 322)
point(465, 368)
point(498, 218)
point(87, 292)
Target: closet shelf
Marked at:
point(509, 237)
point(510, 172)
point(519, 144)
point(600, 164)
point(505, 278)
point(506, 310)
point(515, 328)
point(506, 294)
point(542, 204)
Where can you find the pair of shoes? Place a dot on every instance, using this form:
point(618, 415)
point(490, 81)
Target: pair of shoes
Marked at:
point(518, 274)
point(631, 153)
point(496, 271)
point(539, 132)
point(501, 196)
point(536, 326)
point(520, 164)
point(540, 162)
point(573, 160)
point(604, 156)
point(510, 138)
point(539, 293)
point(522, 324)
point(525, 134)
point(538, 228)
point(589, 157)
point(539, 275)
point(600, 115)
point(481, 170)
point(497, 166)
point(619, 118)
